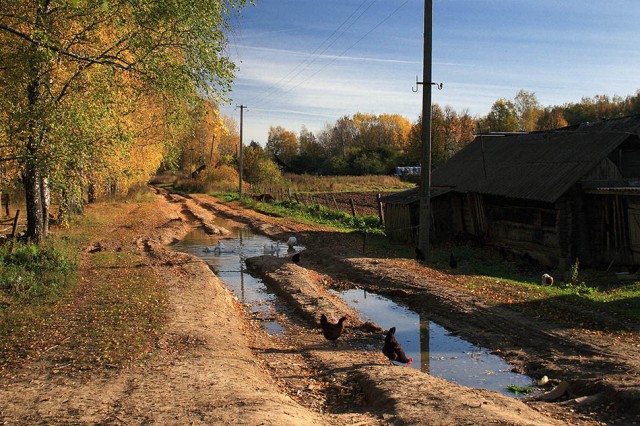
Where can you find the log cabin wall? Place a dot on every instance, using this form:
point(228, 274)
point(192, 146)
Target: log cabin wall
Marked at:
point(615, 226)
point(524, 227)
point(398, 222)
point(633, 218)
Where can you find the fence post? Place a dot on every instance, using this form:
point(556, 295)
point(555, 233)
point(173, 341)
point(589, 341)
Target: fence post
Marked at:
point(5, 202)
point(380, 211)
point(353, 206)
point(15, 224)
point(335, 203)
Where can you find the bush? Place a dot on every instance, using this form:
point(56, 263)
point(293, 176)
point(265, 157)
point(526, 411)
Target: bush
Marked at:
point(263, 172)
point(219, 179)
point(31, 271)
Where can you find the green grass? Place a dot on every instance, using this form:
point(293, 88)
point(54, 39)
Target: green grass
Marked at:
point(33, 280)
point(520, 390)
point(102, 312)
point(34, 274)
point(592, 292)
point(313, 213)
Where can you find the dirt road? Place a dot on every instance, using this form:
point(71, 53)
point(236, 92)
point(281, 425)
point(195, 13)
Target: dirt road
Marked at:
point(230, 371)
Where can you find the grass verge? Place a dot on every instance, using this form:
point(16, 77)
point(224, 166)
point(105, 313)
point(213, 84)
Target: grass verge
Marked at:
point(312, 213)
point(104, 308)
point(593, 299)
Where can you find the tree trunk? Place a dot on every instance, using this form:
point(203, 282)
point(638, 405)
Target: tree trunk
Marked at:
point(33, 199)
point(35, 186)
point(91, 193)
point(45, 192)
point(31, 176)
point(72, 203)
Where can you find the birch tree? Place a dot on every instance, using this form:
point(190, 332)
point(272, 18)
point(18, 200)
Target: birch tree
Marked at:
point(57, 55)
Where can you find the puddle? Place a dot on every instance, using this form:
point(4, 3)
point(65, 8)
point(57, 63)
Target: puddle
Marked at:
point(433, 349)
point(227, 261)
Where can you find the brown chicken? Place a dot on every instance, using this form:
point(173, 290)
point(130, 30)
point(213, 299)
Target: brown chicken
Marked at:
point(393, 350)
point(332, 330)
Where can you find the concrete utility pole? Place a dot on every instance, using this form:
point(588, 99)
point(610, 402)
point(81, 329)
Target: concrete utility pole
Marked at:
point(242, 107)
point(425, 171)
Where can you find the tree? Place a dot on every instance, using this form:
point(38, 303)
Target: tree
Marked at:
point(395, 130)
point(62, 53)
point(311, 154)
point(438, 136)
point(551, 118)
point(459, 131)
point(343, 136)
point(200, 145)
point(258, 168)
point(230, 138)
point(528, 110)
point(282, 143)
point(502, 117)
point(632, 104)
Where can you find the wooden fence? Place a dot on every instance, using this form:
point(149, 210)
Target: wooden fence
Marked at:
point(328, 200)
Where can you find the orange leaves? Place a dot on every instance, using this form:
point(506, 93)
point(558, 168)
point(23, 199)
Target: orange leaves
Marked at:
point(283, 143)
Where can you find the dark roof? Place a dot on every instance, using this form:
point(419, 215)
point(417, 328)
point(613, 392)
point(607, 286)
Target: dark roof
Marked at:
point(411, 195)
point(536, 166)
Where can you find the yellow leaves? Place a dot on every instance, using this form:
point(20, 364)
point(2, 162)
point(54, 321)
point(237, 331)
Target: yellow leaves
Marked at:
point(282, 142)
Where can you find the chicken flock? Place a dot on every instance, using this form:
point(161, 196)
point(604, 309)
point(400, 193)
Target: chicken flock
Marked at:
point(332, 329)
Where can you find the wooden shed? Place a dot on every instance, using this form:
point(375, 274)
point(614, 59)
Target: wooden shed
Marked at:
point(556, 195)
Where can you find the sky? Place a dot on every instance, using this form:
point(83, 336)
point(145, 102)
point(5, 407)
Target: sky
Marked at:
point(310, 62)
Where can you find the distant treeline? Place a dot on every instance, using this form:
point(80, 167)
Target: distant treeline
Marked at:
point(374, 144)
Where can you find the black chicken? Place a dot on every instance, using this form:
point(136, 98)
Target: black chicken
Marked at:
point(393, 350)
point(332, 330)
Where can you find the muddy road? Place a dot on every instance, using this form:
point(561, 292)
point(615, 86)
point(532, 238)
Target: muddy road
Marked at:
point(229, 370)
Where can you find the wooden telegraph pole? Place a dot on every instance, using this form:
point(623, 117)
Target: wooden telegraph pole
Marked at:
point(242, 107)
point(425, 171)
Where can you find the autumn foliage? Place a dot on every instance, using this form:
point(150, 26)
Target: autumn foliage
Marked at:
point(97, 94)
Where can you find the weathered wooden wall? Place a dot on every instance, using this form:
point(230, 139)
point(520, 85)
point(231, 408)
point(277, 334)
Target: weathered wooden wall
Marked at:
point(398, 222)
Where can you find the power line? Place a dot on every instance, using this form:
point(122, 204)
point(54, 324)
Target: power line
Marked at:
point(311, 58)
point(349, 48)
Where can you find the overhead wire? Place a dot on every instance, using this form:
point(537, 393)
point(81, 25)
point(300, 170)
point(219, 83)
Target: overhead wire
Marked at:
point(313, 56)
point(348, 48)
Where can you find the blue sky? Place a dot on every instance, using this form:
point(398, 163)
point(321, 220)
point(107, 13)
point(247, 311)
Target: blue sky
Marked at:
point(310, 62)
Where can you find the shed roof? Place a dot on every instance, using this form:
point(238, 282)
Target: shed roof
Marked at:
point(538, 166)
point(411, 195)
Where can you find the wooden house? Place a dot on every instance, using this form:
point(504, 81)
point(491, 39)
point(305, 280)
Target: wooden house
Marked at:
point(556, 195)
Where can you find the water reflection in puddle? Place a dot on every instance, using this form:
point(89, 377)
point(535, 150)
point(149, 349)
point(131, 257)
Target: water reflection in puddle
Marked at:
point(433, 349)
point(228, 263)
